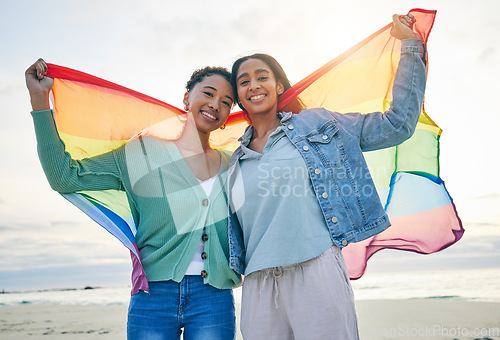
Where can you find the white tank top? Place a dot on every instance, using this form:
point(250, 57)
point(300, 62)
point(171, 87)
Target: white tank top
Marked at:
point(197, 264)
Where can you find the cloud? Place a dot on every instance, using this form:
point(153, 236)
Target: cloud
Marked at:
point(58, 244)
point(490, 196)
point(479, 209)
point(68, 223)
point(485, 225)
point(65, 276)
point(488, 56)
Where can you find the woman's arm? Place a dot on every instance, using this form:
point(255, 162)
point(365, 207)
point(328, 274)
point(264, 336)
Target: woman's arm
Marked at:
point(379, 130)
point(63, 173)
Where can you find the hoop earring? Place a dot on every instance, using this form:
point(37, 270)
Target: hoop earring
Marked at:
point(223, 127)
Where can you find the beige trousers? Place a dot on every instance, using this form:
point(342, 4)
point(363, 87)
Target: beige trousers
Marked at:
point(308, 300)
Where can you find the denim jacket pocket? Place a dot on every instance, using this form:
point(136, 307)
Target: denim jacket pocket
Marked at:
point(328, 145)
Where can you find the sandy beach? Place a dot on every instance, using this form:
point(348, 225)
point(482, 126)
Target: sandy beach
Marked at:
point(378, 319)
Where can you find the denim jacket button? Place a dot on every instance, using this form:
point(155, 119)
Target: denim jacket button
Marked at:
point(290, 127)
point(325, 137)
point(317, 171)
point(334, 219)
point(305, 148)
point(344, 243)
point(324, 195)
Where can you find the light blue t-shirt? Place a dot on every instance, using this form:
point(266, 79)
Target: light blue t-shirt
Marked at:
point(278, 210)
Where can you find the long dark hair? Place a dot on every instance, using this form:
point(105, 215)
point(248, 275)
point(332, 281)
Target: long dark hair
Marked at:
point(279, 75)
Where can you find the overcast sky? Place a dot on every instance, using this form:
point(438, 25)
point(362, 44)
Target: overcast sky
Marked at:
point(153, 47)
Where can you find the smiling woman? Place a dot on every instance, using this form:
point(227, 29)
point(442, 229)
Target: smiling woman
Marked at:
point(265, 72)
point(289, 246)
point(212, 99)
point(175, 195)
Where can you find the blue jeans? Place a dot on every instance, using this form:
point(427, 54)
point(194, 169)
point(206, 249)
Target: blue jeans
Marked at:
point(204, 312)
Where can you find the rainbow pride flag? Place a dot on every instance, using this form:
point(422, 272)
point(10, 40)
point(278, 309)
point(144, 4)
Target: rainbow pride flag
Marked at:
point(422, 214)
point(94, 116)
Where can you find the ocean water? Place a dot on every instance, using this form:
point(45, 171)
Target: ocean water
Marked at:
point(79, 296)
point(466, 284)
point(470, 284)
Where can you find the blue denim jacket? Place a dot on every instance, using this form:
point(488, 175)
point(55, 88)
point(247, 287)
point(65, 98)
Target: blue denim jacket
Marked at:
point(332, 145)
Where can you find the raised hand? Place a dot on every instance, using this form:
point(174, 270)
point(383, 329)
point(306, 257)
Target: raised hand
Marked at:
point(38, 85)
point(402, 27)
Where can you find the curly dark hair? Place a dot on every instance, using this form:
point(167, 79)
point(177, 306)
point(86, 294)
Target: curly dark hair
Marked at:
point(207, 71)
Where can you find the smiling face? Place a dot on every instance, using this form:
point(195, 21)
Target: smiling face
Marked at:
point(210, 102)
point(257, 87)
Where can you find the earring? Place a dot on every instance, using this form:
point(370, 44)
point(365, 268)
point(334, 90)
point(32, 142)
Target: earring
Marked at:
point(223, 127)
point(186, 106)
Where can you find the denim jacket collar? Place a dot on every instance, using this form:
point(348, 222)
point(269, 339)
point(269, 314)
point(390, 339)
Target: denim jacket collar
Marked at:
point(284, 116)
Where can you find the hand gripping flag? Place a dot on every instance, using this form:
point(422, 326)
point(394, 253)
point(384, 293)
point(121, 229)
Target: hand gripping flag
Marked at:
point(94, 116)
